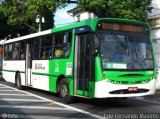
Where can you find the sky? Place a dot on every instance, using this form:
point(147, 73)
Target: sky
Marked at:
point(62, 17)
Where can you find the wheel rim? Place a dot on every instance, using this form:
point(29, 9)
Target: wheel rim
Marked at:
point(64, 91)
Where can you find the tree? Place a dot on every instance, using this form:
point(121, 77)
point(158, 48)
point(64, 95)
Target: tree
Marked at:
point(7, 29)
point(128, 9)
point(24, 12)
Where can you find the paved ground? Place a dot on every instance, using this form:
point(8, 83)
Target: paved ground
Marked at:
point(37, 104)
point(22, 104)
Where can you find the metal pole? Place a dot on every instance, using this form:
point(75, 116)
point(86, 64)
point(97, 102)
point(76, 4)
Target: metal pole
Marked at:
point(40, 24)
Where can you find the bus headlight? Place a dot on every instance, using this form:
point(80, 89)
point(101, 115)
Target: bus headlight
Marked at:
point(118, 82)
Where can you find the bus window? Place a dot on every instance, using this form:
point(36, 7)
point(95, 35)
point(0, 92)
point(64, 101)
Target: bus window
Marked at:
point(16, 54)
point(62, 45)
point(5, 52)
point(10, 49)
point(58, 52)
point(36, 48)
point(43, 54)
point(46, 47)
point(22, 50)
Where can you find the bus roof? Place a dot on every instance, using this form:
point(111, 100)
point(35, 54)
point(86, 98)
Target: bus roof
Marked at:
point(89, 22)
point(93, 22)
point(29, 36)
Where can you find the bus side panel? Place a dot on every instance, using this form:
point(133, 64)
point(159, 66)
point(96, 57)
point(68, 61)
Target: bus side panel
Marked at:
point(52, 78)
point(91, 89)
point(60, 67)
point(11, 67)
point(40, 74)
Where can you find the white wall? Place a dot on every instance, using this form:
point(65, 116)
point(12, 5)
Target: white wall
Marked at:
point(156, 33)
point(83, 16)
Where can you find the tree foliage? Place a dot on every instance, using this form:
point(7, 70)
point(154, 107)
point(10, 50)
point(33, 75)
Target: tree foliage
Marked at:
point(7, 29)
point(24, 12)
point(129, 9)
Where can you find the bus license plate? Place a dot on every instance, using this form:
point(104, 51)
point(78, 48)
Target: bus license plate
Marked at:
point(132, 88)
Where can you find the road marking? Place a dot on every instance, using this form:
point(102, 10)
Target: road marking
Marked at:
point(58, 103)
point(34, 107)
point(22, 100)
point(3, 87)
point(15, 94)
point(7, 90)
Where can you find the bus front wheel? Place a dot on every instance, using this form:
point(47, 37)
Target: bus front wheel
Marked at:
point(18, 81)
point(64, 92)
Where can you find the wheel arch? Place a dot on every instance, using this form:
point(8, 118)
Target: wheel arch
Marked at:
point(60, 77)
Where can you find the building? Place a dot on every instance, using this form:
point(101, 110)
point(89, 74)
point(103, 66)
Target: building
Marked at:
point(154, 19)
point(80, 15)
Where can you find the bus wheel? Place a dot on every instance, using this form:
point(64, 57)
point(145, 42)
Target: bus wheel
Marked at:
point(18, 81)
point(64, 92)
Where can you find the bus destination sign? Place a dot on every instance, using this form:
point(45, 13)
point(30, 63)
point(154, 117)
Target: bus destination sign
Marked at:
point(120, 27)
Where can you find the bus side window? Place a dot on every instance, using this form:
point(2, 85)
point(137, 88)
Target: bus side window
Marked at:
point(6, 52)
point(10, 52)
point(58, 52)
point(36, 49)
point(62, 45)
point(22, 49)
point(46, 47)
point(43, 54)
point(67, 47)
point(16, 52)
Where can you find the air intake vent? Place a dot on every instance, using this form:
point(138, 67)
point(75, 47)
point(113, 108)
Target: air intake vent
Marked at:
point(133, 75)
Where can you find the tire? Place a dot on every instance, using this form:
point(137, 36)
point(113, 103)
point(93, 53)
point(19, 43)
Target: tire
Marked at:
point(18, 81)
point(64, 92)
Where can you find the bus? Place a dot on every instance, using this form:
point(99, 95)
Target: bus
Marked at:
point(94, 58)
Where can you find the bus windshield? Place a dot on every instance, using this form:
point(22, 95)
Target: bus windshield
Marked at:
point(125, 50)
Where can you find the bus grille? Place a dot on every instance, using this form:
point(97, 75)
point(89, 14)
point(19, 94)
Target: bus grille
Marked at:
point(125, 91)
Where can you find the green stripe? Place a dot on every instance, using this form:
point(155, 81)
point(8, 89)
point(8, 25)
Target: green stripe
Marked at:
point(13, 71)
point(36, 73)
point(45, 74)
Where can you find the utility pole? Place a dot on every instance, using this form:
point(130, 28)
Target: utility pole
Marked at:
point(39, 21)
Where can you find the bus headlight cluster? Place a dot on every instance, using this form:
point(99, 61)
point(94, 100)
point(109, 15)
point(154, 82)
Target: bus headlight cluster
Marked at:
point(145, 81)
point(115, 82)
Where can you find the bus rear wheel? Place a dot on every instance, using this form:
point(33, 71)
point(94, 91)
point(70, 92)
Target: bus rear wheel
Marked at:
point(64, 92)
point(18, 81)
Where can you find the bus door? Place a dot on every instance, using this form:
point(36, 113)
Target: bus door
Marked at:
point(84, 66)
point(28, 70)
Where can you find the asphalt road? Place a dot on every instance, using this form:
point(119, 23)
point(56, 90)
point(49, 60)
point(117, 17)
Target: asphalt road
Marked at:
point(37, 104)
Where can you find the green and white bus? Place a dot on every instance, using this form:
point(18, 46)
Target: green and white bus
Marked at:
point(95, 58)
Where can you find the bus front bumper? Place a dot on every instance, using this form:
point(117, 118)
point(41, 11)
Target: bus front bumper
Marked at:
point(104, 89)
